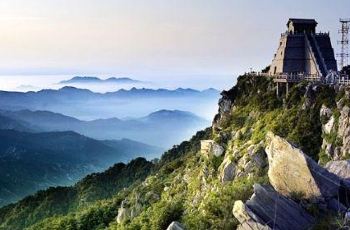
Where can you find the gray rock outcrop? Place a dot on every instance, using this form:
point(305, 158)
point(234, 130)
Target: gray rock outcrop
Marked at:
point(325, 112)
point(336, 143)
point(227, 170)
point(247, 218)
point(254, 160)
point(292, 172)
point(175, 226)
point(339, 168)
point(125, 212)
point(327, 128)
point(123, 215)
point(267, 209)
point(225, 105)
point(344, 129)
point(209, 147)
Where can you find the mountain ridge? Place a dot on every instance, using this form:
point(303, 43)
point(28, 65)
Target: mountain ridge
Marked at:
point(133, 90)
point(156, 124)
point(91, 79)
point(34, 161)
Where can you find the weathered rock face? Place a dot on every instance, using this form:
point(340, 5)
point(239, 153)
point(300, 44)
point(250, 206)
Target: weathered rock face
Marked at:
point(255, 159)
point(175, 226)
point(309, 96)
point(227, 170)
point(325, 112)
point(327, 128)
point(344, 129)
point(340, 168)
point(225, 104)
point(123, 215)
point(136, 210)
point(267, 209)
point(247, 218)
point(209, 147)
point(125, 212)
point(292, 172)
point(339, 127)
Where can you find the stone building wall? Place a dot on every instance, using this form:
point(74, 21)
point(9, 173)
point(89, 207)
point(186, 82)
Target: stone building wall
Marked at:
point(295, 56)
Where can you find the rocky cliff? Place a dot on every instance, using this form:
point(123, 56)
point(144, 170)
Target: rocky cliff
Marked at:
point(313, 130)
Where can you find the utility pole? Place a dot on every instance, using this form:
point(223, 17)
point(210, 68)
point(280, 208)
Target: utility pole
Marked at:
point(344, 42)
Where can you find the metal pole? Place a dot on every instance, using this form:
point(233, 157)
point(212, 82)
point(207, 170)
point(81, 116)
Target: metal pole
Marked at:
point(344, 42)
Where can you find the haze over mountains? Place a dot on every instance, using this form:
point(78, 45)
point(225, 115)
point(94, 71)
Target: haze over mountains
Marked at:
point(37, 150)
point(33, 161)
point(162, 128)
point(55, 137)
point(87, 105)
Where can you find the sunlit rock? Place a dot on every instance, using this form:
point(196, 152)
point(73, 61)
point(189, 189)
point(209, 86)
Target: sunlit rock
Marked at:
point(175, 226)
point(292, 172)
point(209, 147)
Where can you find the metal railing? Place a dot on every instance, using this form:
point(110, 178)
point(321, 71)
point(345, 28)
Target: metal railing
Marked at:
point(290, 77)
point(344, 80)
point(302, 34)
point(298, 77)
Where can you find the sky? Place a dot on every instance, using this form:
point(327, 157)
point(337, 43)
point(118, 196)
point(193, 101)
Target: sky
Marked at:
point(203, 42)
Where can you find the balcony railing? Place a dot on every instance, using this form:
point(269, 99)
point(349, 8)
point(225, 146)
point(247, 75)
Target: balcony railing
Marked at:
point(336, 79)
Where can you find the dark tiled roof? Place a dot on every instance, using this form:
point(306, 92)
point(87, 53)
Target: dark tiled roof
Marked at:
point(301, 21)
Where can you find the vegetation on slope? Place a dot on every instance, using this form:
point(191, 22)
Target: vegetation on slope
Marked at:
point(295, 117)
point(63, 200)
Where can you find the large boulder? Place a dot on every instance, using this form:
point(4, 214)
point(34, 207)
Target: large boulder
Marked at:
point(267, 209)
point(175, 226)
point(227, 170)
point(291, 172)
point(210, 147)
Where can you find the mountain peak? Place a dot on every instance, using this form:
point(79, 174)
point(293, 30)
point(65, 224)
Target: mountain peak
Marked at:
point(91, 79)
point(172, 114)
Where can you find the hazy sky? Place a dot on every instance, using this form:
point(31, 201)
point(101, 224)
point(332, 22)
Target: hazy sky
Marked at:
point(188, 39)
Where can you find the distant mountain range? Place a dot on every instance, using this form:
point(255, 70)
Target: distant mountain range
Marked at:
point(80, 94)
point(39, 149)
point(89, 79)
point(162, 128)
point(33, 161)
point(88, 105)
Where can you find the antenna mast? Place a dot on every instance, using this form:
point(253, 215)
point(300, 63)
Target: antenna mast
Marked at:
point(344, 42)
